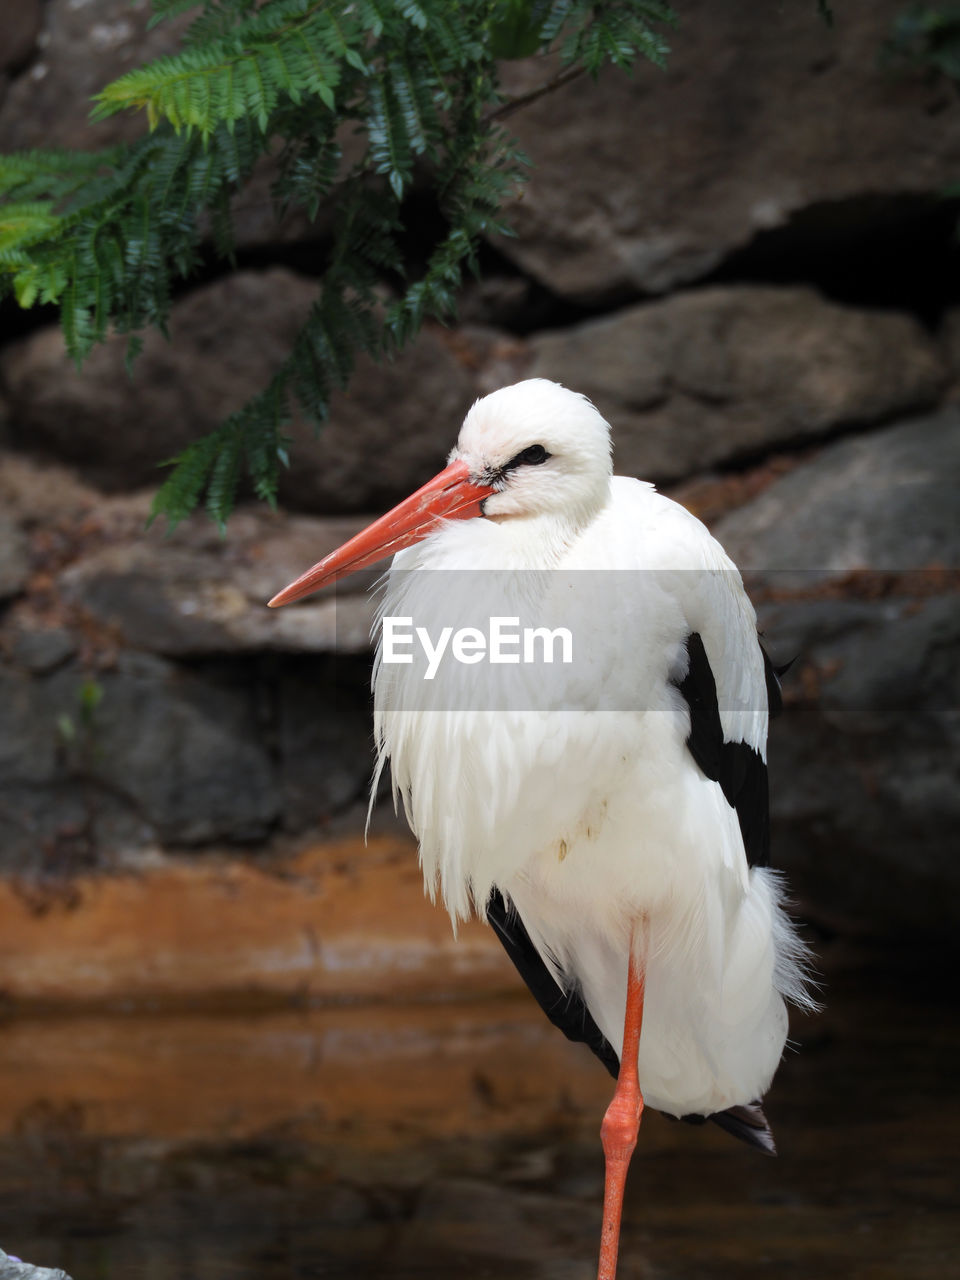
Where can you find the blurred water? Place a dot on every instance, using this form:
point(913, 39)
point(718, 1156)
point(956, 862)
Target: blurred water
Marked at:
point(461, 1141)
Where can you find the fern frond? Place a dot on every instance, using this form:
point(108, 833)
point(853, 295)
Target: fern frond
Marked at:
point(285, 48)
point(620, 33)
point(226, 471)
point(308, 170)
point(26, 223)
point(165, 9)
point(32, 175)
point(389, 142)
point(107, 235)
point(181, 491)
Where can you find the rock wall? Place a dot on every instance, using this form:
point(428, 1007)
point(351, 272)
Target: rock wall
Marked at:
point(747, 265)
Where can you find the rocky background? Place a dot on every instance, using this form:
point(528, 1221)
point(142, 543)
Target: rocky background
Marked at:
point(747, 262)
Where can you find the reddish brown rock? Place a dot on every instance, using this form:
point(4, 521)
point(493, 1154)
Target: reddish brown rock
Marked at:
point(338, 922)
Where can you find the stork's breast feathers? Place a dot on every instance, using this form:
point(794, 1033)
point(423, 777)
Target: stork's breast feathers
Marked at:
point(553, 764)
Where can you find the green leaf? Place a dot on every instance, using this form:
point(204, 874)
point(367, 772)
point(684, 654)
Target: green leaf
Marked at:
point(516, 28)
point(26, 287)
point(89, 697)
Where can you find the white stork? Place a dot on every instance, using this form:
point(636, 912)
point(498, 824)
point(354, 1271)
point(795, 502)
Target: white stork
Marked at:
point(614, 833)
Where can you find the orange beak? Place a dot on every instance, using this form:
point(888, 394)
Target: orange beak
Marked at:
point(451, 495)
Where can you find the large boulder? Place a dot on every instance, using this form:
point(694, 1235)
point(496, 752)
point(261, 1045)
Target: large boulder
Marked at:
point(387, 434)
point(857, 557)
point(696, 379)
point(885, 500)
point(83, 45)
point(730, 372)
point(639, 184)
point(155, 752)
point(196, 594)
point(394, 426)
point(226, 341)
point(103, 760)
point(865, 791)
point(148, 695)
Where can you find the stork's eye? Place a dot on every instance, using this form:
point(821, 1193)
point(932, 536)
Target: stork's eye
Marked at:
point(529, 457)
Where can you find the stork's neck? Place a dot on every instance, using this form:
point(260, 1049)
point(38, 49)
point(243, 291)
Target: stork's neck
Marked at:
point(540, 540)
point(528, 542)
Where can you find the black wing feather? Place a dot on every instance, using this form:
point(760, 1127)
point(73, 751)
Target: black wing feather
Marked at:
point(739, 768)
point(565, 1009)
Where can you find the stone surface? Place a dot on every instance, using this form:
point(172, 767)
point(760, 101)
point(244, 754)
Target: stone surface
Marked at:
point(865, 786)
point(200, 594)
point(14, 558)
point(639, 184)
point(886, 500)
point(213, 753)
point(950, 342)
point(19, 27)
point(338, 921)
point(179, 754)
point(187, 751)
point(184, 592)
point(17, 1269)
point(324, 738)
point(386, 435)
point(393, 428)
point(258, 727)
point(227, 340)
point(864, 762)
point(697, 379)
point(42, 649)
point(38, 497)
point(729, 372)
point(84, 44)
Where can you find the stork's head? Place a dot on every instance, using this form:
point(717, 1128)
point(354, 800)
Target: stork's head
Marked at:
point(541, 449)
point(528, 451)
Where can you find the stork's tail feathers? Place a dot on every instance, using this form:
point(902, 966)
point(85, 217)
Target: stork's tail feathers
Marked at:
point(746, 1122)
point(749, 1124)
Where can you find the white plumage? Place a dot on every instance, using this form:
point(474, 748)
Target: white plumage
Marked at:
point(606, 813)
point(589, 820)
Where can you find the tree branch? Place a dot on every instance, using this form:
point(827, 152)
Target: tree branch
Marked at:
point(525, 99)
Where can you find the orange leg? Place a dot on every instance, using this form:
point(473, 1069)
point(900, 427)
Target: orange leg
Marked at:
point(621, 1124)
